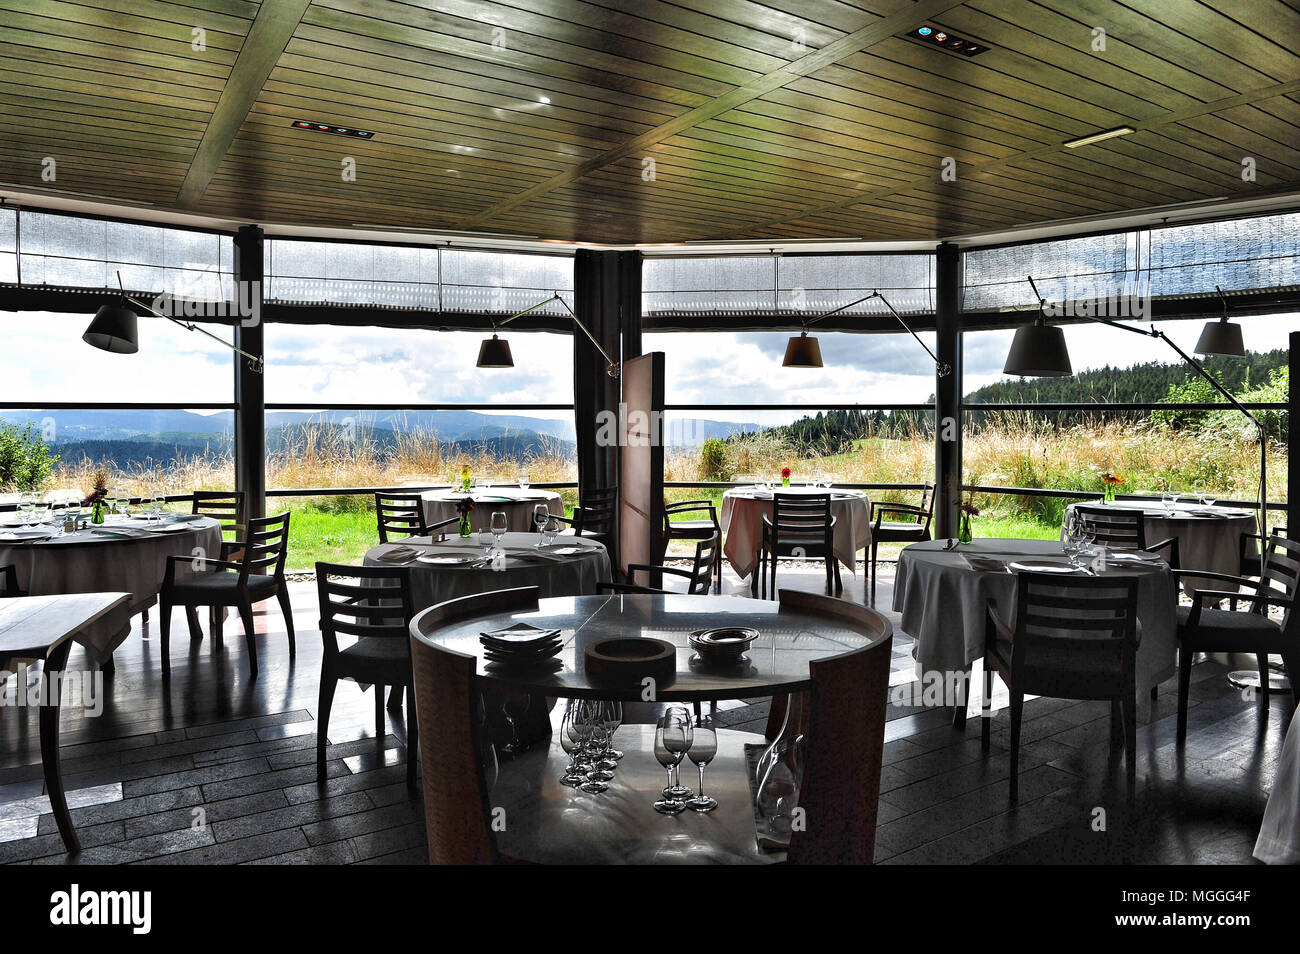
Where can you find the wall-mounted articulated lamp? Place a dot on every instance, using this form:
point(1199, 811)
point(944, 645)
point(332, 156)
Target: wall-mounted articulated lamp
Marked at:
point(494, 352)
point(1038, 350)
point(803, 351)
point(114, 328)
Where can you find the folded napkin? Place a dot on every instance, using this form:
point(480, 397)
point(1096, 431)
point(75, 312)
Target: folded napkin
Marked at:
point(984, 564)
point(398, 554)
point(129, 533)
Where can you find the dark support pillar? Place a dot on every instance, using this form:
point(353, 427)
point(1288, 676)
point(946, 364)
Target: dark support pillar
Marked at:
point(1293, 442)
point(947, 391)
point(250, 385)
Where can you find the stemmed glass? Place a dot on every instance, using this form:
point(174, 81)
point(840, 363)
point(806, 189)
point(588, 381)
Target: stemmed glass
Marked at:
point(541, 514)
point(514, 708)
point(1170, 500)
point(575, 773)
point(524, 481)
point(667, 805)
point(159, 502)
point(550, 531)
point(586, 721)
point(485, 540)
point(702, 750)
point(26, 505)
point(612, 715)
point(678, 735)
point(498, 526)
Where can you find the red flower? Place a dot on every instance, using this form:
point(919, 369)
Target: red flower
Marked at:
point(971, 509)
point(464, 506)
point(785, 473)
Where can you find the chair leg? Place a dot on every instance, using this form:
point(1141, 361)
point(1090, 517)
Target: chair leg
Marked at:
point(1129, 711)
point(717, 570)
point(192, 617)
point(1261, 661)
point(871, 571)
point(327, 686)
point(1184, 686)
point(217, 623)
point(1017, 704)
point(165, 625)
point(246, 615)
point(839, 582)
point(1116, 724)
point(412, 735)
point(986, 706)
point(282, 594)
point(1291, 660)
point(379, 711)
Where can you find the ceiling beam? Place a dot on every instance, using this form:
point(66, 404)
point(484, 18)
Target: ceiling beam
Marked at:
point(905, 19)
point(270, 33)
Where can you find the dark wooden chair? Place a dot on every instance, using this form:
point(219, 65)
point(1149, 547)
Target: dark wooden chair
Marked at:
point(906, 524)
point(1205, 627)
point(257, 575)
point(800, 526)
point(699, 577)
point(694, 529)
point(844, 723)
point(225, 506)
point(1251, 564)
point(456, 808)
point(372, 603)
point(1073, 638)
point(1122, 529)
point(9, 582)
point(403, 515)
point(595, 516)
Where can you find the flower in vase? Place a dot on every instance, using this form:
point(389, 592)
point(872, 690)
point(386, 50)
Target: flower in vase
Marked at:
point(464, 506)
point(970, 509)
point(785, 473)
point(1111, 479)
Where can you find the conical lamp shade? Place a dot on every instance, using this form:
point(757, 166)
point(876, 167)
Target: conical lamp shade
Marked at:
point(113, 329)
point(802, 352)
point(1038, 351)
point(495, 353)
point(1221, 337)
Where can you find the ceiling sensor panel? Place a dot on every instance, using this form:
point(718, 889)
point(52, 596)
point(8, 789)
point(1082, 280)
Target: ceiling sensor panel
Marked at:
point(932, 35)
point(330, 128)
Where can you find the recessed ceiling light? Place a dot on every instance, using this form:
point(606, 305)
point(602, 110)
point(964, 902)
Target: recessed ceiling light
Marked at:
point(544, 100)
point(1098, 137)
point(330, 128)
point(932, 36)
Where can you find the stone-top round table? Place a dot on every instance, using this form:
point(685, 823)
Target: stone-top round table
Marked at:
point(942, 595)
point(442, 571)
point(779, 658)
point(515, 502)
point(743, 509)
point(1209, 538)
point(124, 554)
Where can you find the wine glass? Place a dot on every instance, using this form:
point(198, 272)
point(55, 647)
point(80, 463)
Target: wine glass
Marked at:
point(514, 707)
point(678, 735)
point(524, 481)
point(612, 713)
point(596, 779)
point(159, 502)
point(57, 513)
point(703, 748)
point(26, 503)
point(550, 532)
point(498, 526)
point(1170, 500)
point(573, 774)
point(541, 514)
point(667, 805)
point(485, 540)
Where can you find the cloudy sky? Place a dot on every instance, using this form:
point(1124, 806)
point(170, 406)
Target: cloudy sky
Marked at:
point(45, 359)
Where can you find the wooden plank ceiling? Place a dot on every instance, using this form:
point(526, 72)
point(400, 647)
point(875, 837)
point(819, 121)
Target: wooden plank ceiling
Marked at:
point(783, 120)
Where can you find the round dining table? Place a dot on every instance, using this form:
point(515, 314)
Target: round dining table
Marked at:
point(942, 594)
point(123, 554)
point(1209, 538)
point(457, 566)
point(516, 503)
point(778, 659)
point(743, 509)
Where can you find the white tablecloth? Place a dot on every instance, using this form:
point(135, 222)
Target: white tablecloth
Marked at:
point(517, 504)
point(742, 524)
point(1279, 835)
point(87, 562)
point(1209, 538)
point(554, 574)
point(942, 600)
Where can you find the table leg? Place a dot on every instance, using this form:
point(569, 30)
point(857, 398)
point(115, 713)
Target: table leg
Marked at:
point(959, 709)
point(54, 664)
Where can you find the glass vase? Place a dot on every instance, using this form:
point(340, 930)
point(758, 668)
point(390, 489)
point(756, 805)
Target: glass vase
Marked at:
point(780, 773)
point(1108, 493)
point(465, 529)
point(964, 534)
point(785, 481)
point(97, 515)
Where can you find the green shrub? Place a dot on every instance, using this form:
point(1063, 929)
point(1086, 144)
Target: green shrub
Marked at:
point(25, 459)
point(714, 464)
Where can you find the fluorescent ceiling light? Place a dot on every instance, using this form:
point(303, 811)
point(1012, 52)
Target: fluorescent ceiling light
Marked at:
point(1098, 137)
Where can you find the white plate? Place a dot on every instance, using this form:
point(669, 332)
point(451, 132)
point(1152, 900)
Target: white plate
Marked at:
point(1041, 568)
point(29, 534)
point(166, 528)
point(446, 560)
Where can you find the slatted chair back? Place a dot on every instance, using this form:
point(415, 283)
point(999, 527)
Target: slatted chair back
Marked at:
point(401, 515)
point(1281, 574)
point(446, 698)
point(226, 506)
point(596, 513)
point(1075, 637)
point(699, 577)
point(1114, 527)
point(801, 517)
point(363, 601)
point(840, 789)
point(265, 547)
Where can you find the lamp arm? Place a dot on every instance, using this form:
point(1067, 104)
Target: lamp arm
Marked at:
point(611, 367)
point(256, 361)
point(942, 369)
